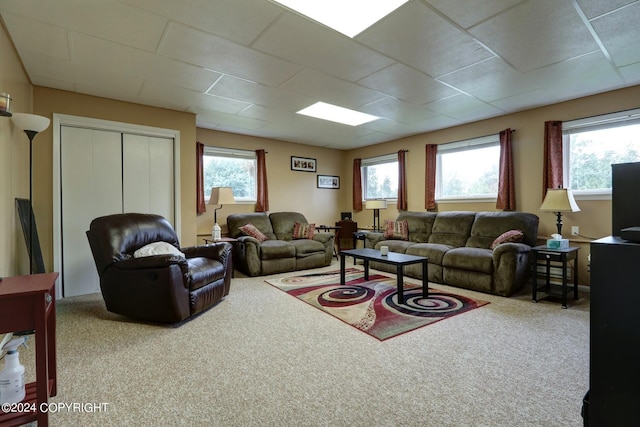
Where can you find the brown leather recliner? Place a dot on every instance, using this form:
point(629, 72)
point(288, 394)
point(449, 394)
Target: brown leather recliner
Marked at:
point(160, 288)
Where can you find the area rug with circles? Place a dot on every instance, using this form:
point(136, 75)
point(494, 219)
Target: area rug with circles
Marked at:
point(372, 305)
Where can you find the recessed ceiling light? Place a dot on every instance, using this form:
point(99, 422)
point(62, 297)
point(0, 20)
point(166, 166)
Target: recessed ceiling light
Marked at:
point(324, 111)
point(350, 17)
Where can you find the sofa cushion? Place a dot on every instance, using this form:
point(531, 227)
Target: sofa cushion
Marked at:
point(399, 246)
point(306, 247)
point(489, 225)
point(474, 259)
point(259, 219)
point(435, 252)
point(452, 228)
point(303, 230)
point(396, 230)
point(251, 230)
point(283, 222)
point(274, 249)
point(203, 271)
point(507, 237)
point(420, 224)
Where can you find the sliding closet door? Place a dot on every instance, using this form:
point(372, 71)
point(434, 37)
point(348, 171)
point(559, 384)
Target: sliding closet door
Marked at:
point(91, 186)
point(148, 175)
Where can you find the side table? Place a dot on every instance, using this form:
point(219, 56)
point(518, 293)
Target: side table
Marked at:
point(563, 256)
point(28, 303)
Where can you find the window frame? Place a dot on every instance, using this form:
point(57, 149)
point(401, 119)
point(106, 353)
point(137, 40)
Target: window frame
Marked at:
point(374, 161)
point(471, 144)
point(603, 121)
point(236, 153)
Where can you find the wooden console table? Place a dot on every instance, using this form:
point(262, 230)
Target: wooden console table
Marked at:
point(28, 303)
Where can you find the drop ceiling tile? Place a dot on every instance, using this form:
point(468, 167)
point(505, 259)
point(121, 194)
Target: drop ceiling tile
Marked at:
point(631, 73)
point(244, 90)
point(489, 80)
point(460, 12)
point(34, 37)
point(227, 122)
point(396, 110)
point(581, 76)
point(322, 87)
point(526, 100)
point(525, 46)
point(619, 33)
point(419, 37)
point(302, 41)
point(107, 19)
point(593, 8)
point(191, 99)
point(240, 21)
point(206, 50)
point(464, 108)
point(407, 84)
point(109, 56)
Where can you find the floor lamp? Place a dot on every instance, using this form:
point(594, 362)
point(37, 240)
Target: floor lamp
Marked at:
point(31, 124)
point(376, 205)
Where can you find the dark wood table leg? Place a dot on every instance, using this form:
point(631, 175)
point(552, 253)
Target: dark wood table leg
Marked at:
point(342, 267)
point(575, 277)
point(366, 269)
point(400, 284)
point(564, 280)
point(425, 279)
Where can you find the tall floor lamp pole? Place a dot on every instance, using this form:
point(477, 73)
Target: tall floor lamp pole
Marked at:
point(31, 124)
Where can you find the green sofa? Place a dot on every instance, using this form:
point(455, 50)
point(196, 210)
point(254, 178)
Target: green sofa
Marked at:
point(280, 252)
point(458, 245)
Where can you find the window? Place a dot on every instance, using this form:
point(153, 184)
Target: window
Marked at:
point(468, 169)
point(591, 145)
point(380, 177)
point(226, 167)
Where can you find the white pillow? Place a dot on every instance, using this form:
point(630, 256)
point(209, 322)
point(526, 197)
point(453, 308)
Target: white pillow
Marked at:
point(157, 248)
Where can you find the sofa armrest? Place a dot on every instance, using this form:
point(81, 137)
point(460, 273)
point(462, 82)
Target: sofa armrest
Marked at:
point(511, 267)
point(154, 261)
point(371, 238)
point(246, 255)
point(218, 251)
point(323, 238)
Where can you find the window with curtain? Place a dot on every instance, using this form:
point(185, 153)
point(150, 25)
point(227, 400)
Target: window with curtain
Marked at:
point(592, 144)
point(380, 177)
point(228, 167)
point(469, 169)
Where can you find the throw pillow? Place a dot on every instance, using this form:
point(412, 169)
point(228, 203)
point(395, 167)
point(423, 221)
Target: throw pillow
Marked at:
point(507, 237)
point(396, 230)
point(157, 248)
point(252, 230)
point(303, 231)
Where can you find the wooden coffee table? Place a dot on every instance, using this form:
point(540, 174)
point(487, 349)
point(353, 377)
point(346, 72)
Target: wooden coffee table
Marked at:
point(393, 258)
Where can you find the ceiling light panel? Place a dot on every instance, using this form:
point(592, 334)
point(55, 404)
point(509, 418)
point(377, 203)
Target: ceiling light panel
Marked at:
point(333, 113)
point(349, 17)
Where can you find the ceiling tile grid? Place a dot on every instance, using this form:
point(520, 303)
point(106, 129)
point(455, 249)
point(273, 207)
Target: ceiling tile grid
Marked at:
point(247, 66)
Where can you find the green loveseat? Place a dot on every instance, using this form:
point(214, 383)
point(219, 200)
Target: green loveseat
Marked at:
point(280, 252)
point(458, 245)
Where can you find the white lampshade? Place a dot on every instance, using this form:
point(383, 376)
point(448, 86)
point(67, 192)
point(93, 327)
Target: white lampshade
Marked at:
point(30, 122)
point(375, 204)
point(559, 200)
point(222, 196)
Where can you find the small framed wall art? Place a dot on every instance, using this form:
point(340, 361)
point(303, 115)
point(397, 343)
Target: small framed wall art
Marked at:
point(303, 164)
point(328, 181)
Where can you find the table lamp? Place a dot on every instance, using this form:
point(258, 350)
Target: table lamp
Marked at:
point(559, 200)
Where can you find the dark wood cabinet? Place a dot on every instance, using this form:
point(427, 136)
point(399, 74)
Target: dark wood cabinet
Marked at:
point(614, 396)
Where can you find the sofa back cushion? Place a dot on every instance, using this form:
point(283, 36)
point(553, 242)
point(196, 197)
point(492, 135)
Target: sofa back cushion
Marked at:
point(283, 223)
point(489, 225)
point(420, 224)
point(258, 219)
point(452, 228)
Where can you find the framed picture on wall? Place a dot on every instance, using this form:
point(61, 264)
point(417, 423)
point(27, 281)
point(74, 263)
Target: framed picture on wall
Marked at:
point(328, 181)
point(304, 164)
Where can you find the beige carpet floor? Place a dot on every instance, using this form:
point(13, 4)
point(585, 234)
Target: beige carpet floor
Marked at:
point(264, 358)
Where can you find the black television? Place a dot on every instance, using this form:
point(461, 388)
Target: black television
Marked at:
point(625, 206)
